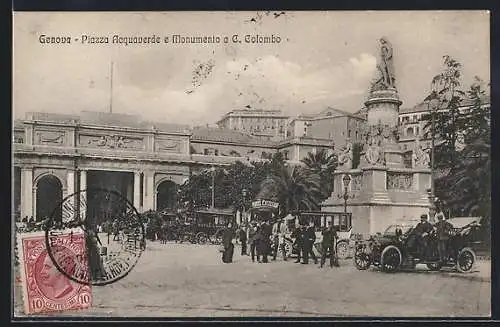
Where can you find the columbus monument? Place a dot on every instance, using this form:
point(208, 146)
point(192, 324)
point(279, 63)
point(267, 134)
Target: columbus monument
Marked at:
point(381, 190)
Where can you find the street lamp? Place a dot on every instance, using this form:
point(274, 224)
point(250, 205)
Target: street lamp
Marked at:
point(244, 196)
point(432, 105)
point(346, 180)
point(213, 186)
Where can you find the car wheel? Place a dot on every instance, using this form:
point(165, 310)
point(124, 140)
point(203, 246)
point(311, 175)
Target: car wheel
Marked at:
point(362, 260)
point(217, 238)
point(390, 259)
point(342, 249)
point(465, 260)
point(201, 238)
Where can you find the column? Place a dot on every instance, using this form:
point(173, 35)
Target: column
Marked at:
point(34, 204)
point(83, 194)
point(297, 153)
point(69, 209)
point(148, 191)
point(26, 192)
point(137, 190)
point(70, 180)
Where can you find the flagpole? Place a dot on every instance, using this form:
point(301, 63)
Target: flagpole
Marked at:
point(111, 89)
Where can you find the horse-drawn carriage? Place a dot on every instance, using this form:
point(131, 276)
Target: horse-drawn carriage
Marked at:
point(209, 223)
point(199, 226)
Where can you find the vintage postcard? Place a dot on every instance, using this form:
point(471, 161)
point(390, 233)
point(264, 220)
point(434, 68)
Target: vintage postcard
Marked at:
point(252, 164)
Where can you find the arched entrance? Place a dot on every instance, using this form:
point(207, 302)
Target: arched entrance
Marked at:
point(166, 195)
point(48, 197)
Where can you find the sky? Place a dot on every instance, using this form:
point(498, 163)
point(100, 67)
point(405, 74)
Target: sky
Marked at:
point(325, 58)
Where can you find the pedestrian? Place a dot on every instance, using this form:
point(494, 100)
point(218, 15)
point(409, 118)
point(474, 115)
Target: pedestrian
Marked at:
point(259, 242)
point(279, 231)
point(443, 231)
point(417, 239)
point(309, 239)
point(297, 234)
point(227, 242)
point(328, 244)
point(252, 234)
point(243, 239)
point(266, 231)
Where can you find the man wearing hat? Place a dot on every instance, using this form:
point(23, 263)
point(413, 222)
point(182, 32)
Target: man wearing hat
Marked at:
point(421, 230)
point(443, 231)
point(297, 234)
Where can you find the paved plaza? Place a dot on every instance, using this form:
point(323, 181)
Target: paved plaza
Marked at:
point(186, 280)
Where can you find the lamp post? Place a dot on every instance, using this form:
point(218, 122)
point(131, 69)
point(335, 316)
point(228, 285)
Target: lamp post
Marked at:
point(432, 105)
point(244, 212)
point(213, 186)
point(346, 180)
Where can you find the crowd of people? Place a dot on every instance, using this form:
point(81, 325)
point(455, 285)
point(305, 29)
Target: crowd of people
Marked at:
point(263, 241)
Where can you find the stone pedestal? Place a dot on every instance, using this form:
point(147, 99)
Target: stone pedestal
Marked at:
point(380, 196)
point(383, 107)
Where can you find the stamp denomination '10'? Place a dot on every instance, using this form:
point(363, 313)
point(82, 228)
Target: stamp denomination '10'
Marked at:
point(45, 288)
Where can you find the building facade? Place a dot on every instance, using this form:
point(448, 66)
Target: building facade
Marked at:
point(330, 124)
point(56, 155)
point(267, 124)
point(414, 122)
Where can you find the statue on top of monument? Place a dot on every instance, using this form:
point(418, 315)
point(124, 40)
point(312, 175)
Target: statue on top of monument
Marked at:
point(387, 78)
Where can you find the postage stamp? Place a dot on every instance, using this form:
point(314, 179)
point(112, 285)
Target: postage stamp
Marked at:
point(112, 236)
point(45, 289)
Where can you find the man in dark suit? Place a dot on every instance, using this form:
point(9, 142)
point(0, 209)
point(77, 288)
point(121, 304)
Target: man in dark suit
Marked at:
point(328, 245)
point(417, 241)
point(309, 239)
point(252, 233)
point(265, 240)
point(227, 242)
point(443, 231)
point(297, 234)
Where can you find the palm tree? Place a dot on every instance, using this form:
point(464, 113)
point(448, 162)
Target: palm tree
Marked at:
point(294, 187)
point(322, 164)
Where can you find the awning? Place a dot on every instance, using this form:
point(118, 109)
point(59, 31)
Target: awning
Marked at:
point(459, 222)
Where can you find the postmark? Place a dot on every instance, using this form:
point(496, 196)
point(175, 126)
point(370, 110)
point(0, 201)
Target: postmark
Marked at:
point(113, 233)
point(45, 289)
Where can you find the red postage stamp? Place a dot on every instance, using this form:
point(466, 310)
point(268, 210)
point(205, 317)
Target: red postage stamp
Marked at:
point(45, 288)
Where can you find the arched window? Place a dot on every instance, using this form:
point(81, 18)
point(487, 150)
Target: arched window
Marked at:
point(409, 131)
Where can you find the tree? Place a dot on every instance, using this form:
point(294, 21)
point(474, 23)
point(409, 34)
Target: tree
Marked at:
point(294, 187)
point(466, 186)
point(322, 164)
point(470, 180)
point(445, 88)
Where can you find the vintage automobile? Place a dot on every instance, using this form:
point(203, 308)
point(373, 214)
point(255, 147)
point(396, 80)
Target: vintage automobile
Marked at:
point(391, 252)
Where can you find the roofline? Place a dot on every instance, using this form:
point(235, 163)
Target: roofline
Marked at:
point(260, 145)
point(483, 104)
